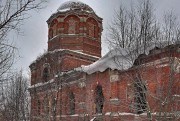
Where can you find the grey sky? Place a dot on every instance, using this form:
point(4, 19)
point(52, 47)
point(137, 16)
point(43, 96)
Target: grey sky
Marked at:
point(34, 39)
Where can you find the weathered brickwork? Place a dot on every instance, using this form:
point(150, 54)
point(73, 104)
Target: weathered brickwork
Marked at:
point(59, 92)
point(75, 31)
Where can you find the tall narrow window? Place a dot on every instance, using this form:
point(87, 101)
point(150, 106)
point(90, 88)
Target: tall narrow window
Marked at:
point(140, 96)
point(46, 105)
point(91, 29)
point(53, 105)
point(38, 107)
point(45, 74)
point(72, 26)
point(99, 99)
point(54, 31)
point(72, 103)
point(50, 34)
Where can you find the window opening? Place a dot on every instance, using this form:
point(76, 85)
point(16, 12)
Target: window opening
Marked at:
point(50, 34)
point(140, 96)
point(46, 105)
point(99, 99)
point(72, 103)
point(39, 107)
point(72, 26)
point(91, 29)
point(45, 74)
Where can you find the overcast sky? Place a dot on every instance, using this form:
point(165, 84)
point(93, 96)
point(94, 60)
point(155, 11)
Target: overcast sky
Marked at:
point(34, 39)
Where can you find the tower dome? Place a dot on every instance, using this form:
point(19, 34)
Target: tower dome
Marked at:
point(75, 5)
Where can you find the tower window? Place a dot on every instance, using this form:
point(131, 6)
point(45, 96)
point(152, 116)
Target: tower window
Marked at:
point(91, 29)
point(72, 103)
point(99, 99)
point(50, 34)
point(54, 31)
point(45, 74)
point(72, 26)
point(140, 96)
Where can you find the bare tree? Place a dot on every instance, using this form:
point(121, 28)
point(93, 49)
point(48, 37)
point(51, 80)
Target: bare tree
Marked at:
point(171, 30)
point(137, 31)
point(15, 102)
point(12, 13)
point(133, 27)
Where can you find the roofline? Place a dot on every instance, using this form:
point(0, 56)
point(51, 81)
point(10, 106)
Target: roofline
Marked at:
point(65, 51)
point(72, 12)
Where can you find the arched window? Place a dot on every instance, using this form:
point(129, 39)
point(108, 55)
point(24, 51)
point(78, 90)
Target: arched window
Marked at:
point(91, 28)
point(72, 26)
point(45, 74)
point(99, 99)
point(140, 96)
point(72, 103)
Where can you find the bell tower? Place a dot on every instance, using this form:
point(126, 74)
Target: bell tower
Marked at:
point(74, 39)
point(75, 26)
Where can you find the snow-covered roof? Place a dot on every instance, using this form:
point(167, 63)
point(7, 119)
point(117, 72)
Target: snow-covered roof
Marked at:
point(60, 50)
point(119, 58)
point(74, 5)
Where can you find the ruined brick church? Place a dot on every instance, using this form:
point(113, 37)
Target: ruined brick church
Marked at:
point(72, 82)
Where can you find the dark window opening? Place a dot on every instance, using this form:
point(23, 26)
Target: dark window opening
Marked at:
point(99, 99)
point(45, 74)
point(39, 107)
point(72, 103)
point(140, 96)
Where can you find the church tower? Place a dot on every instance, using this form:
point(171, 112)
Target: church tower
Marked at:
point(74, 39)
point(75, 26)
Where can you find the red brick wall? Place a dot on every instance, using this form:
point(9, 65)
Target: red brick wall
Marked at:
point(81, 40)
point(58, 62)
point(114, 89)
